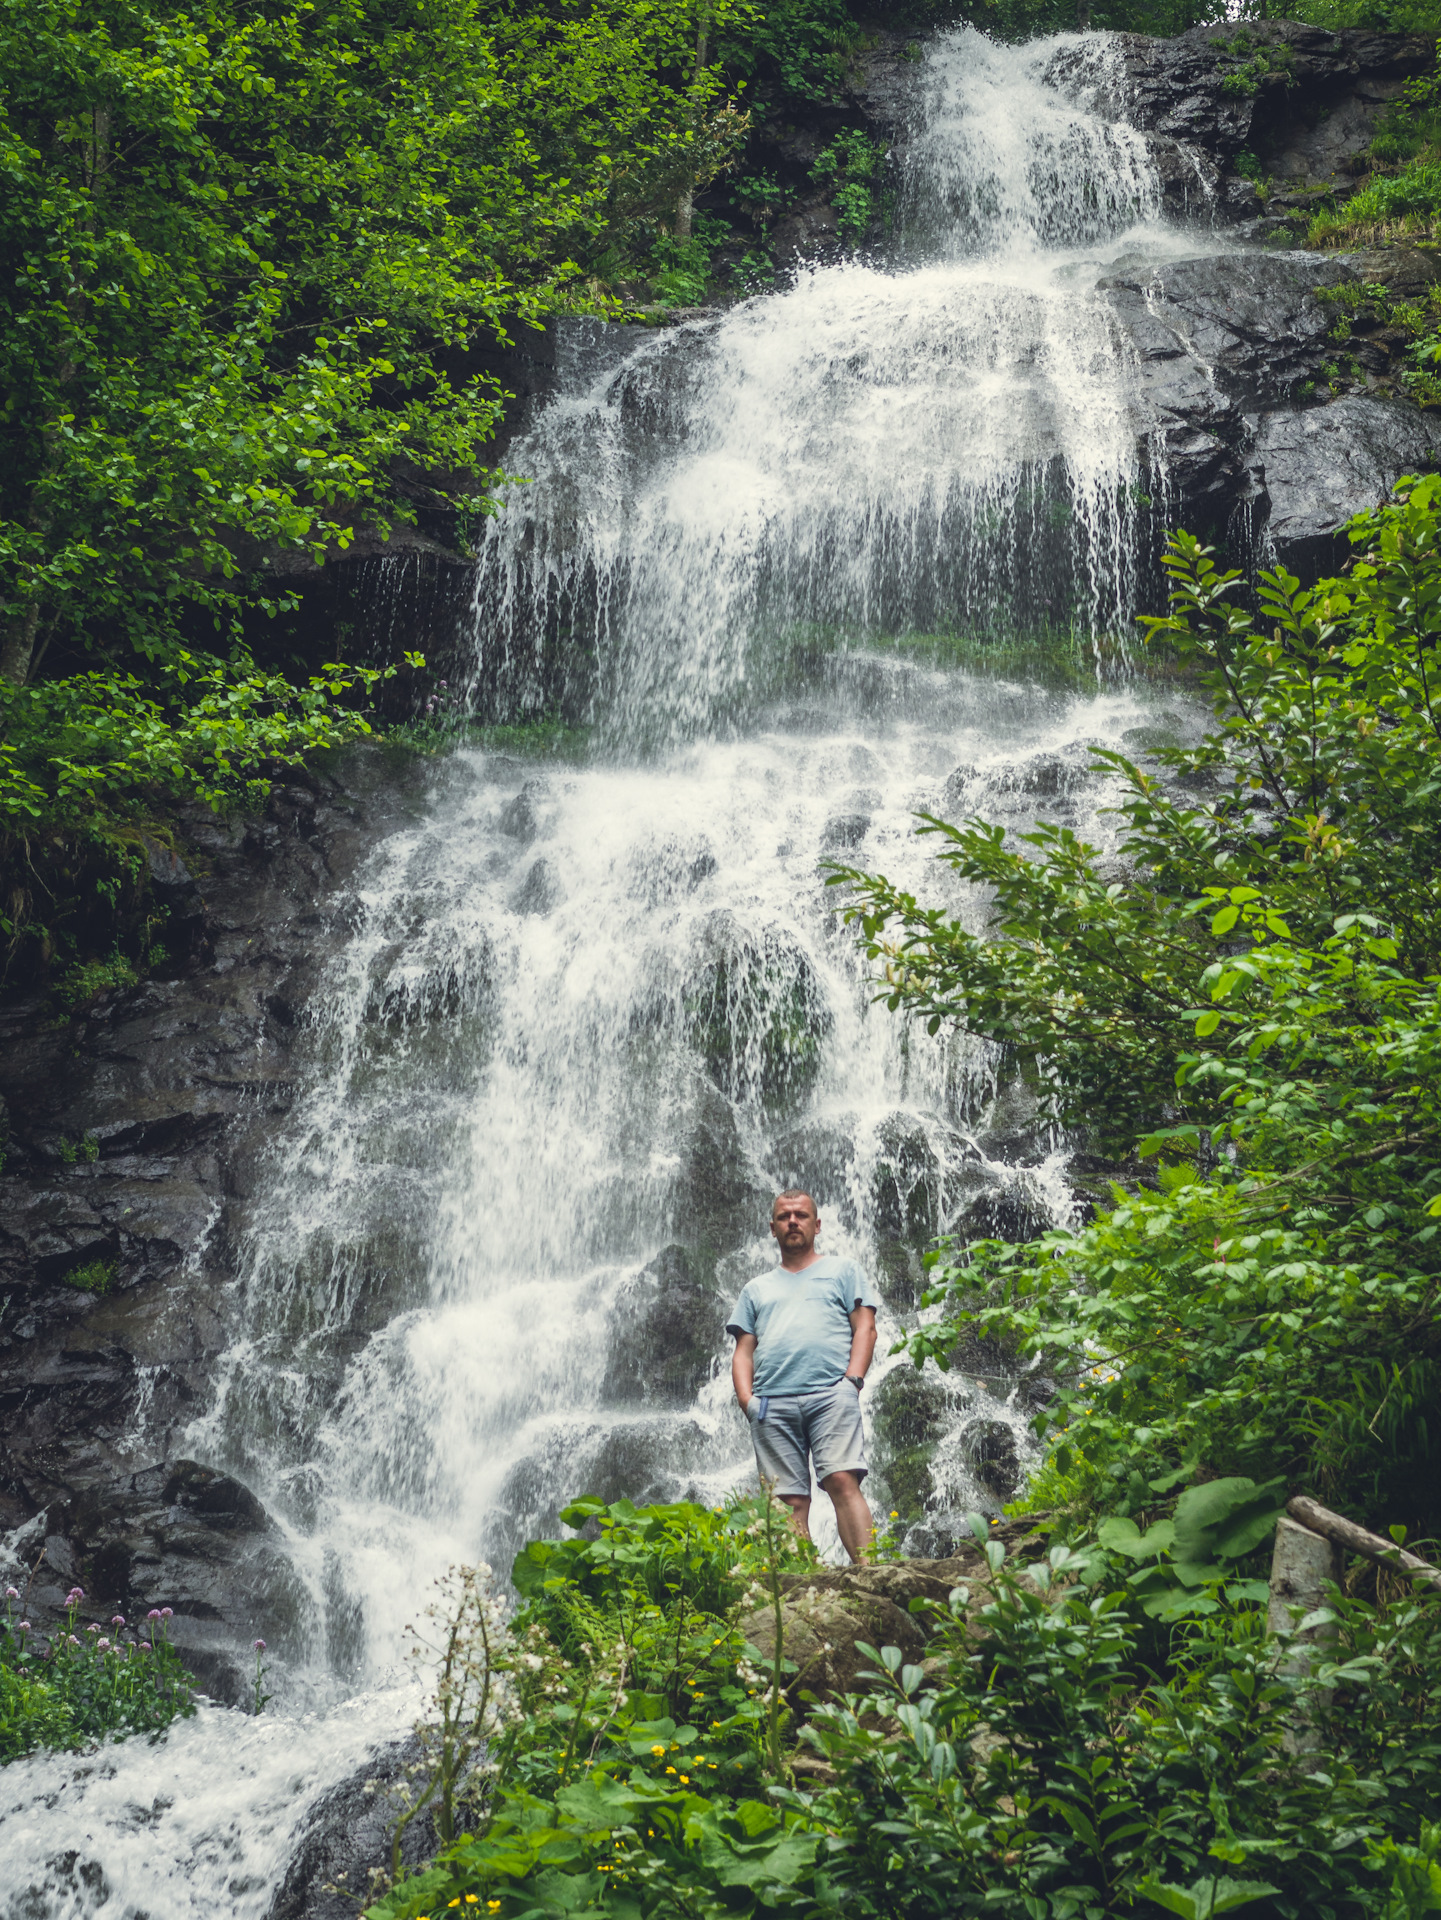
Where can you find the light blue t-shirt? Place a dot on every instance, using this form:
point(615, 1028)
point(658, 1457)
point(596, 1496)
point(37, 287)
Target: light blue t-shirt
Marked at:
point(802, 1323)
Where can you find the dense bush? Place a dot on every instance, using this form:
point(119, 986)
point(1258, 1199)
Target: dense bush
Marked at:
point(83, 1684)
point(1065, 1750)
point(87, 767)
point(1252, 986)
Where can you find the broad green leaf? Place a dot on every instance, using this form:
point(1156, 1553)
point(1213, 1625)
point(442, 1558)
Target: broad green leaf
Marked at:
point(1205, 1897)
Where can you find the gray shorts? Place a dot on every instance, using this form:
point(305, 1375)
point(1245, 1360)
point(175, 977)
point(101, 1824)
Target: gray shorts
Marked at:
point(825, 1424)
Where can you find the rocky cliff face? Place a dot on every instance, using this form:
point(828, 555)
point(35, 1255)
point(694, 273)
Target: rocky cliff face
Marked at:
point(130, 1132)
point(1259, 435)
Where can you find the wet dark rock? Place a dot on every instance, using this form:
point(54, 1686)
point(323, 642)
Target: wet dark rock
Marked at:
point(818, 1157)
point(1233, 352)
point(175, 1535)
point(990, 1448)
point(718, 1200)
point(665, 1332)
point(1004, 1209)
point(908, 1184)
point(519, 817)
point(133, 1130)
point(643, 1460)
point(1406, 272)
point(911, 1414)
point(827, 1612)
point(757, 1013)
point(899, 1275)
point(347, 1835)
point(1013, 1128)
point(541, 891)
point(845, 830)
point(1144, 740)
point(1323, 465)
point(1307, 118)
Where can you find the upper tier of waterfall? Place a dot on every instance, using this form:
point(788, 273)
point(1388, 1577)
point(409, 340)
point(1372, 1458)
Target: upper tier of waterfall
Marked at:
point(942, 439)
point(594, 1013)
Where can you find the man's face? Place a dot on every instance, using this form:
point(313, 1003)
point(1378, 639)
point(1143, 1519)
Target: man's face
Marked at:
point(795, 1223)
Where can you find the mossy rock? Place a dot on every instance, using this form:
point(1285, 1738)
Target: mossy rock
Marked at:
point(912, 1411)
point(756, 1013)
point(665, 1331)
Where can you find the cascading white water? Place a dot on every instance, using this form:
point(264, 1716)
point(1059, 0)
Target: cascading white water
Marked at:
point(593, 1014)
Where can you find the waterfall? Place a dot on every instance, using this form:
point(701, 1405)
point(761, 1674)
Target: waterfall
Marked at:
point(594, 1012)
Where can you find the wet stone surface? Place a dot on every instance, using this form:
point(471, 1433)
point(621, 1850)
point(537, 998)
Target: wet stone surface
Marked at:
point(135, 1128)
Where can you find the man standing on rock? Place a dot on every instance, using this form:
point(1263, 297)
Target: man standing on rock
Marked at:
point(805, 1334)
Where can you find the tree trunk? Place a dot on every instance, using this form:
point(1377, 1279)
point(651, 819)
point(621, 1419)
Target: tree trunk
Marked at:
point(17, 650)
point(685, 203)
point(19, 645)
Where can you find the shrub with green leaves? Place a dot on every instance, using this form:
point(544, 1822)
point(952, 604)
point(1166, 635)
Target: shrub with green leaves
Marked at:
point(1252, 994)
point(81, 1684)
point(88, 763)
point(1068, 1749)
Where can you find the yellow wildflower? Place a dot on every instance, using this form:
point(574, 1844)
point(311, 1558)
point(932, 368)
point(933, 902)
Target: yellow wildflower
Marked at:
point(685, 1779)
point(670, 1769)
point(658, 1749)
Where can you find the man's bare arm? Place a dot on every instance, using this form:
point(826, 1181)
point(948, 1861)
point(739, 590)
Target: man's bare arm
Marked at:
point(743, 1367)
point(863, 1341)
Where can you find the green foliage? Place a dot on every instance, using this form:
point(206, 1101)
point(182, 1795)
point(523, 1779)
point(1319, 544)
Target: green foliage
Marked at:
point(1255, 990)
point(851, 166)
point(1386, 16)
point(679, 271)
point(96, 1277)
point(1246, 78)
point(1388, 205)
point(794, 50)
point(79, 1687)
point(1063, 1751)
point(246, 258)
point(88, 978)
point(85, 761)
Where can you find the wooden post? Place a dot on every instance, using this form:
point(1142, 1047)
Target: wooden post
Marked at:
point(1311, 1547)
point(1301, 1565)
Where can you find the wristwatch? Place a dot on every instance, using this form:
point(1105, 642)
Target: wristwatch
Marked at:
point(856, 1381)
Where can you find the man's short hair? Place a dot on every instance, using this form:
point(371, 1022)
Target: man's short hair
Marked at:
point(794, 1193)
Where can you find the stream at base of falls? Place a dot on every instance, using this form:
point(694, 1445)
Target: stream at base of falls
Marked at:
point(594, 1012)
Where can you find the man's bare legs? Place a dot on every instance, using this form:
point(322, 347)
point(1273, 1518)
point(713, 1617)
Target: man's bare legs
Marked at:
point(853, 1515)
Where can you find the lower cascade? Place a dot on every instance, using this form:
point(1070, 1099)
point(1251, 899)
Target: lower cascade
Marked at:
point(594, 1012)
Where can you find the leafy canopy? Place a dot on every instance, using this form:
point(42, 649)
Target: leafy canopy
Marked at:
point(249, 253)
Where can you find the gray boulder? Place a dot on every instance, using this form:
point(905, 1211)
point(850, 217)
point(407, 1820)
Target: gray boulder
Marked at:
point(1321, 466)
point(665, 1332)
